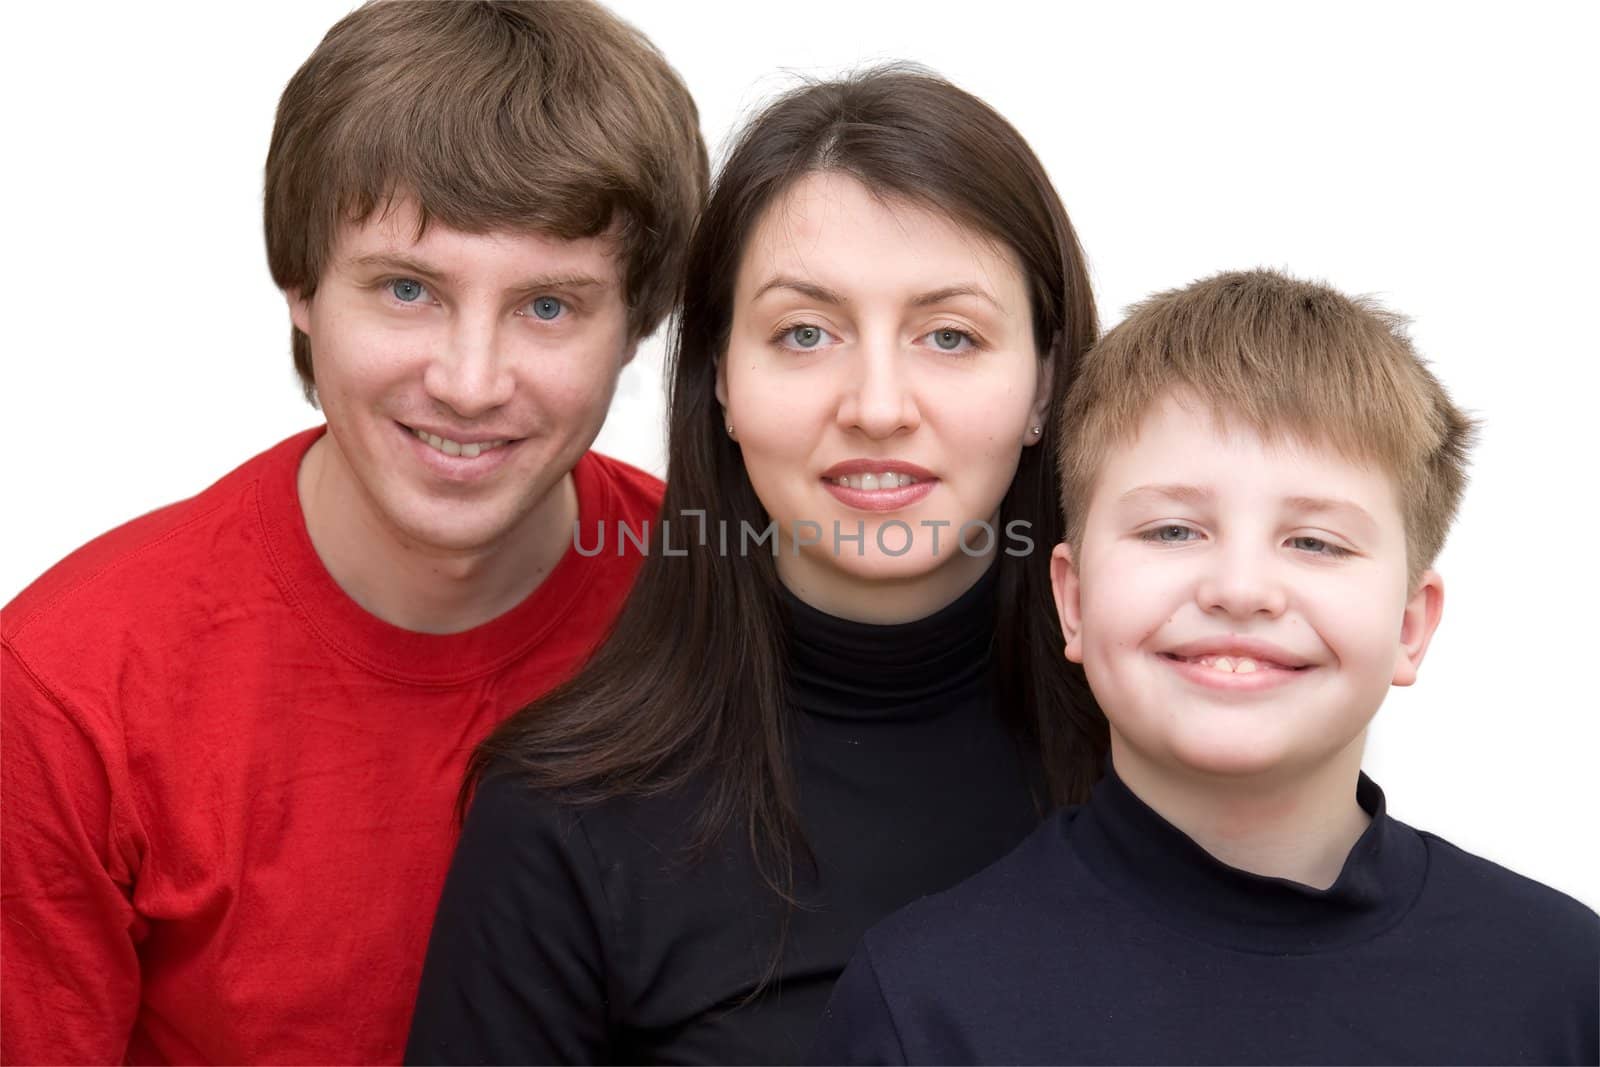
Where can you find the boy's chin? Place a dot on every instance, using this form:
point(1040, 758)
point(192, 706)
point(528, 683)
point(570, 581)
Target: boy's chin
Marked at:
point(1219, 755)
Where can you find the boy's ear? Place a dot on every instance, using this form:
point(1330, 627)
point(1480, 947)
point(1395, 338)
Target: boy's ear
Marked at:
point(1040, 412)
point(299, 310)
point(1064, 582)
point(1417, 625)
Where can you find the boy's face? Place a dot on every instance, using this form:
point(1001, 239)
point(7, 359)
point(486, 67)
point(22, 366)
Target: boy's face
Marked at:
point(1206, 549)
point(504, 347)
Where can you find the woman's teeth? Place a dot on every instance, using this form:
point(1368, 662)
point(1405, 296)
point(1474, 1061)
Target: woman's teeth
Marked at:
point(869, 482)
point(456, 448)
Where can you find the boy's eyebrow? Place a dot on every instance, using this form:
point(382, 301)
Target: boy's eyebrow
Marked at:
point(1303, 505)
point(401, 264)
point(1184, 494)
point(1332, 505)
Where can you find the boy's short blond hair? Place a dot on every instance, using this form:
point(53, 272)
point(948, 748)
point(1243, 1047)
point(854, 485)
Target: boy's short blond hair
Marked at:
point(1289, 359)
point(511, 115)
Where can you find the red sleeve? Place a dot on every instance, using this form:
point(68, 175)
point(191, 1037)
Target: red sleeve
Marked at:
point(69, 970)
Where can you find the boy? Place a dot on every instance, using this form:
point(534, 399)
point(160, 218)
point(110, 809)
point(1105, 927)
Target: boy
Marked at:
point(235, 728)
point(1257, 475)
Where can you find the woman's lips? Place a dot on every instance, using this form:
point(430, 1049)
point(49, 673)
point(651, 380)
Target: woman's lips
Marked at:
point(880, 500)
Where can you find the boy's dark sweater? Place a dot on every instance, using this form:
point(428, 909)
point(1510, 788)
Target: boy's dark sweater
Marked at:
point(1111, 937)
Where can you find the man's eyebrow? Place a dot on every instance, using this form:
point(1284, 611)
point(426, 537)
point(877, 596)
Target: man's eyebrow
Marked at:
point(401, 264)
point(820, 293)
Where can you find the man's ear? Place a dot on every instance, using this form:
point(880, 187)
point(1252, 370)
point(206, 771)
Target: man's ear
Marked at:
point(1421, 619)
point(1064, 583)
point(299, 310)
point(629, 352)
point(1039, 414)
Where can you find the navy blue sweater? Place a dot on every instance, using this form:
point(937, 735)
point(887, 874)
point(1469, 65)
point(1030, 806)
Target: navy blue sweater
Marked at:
point(1111, 937)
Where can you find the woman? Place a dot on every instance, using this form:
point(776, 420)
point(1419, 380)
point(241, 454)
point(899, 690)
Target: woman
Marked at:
point(838, 684)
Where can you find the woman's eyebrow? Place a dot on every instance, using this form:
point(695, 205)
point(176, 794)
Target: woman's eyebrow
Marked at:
point(950, 292)
point(820, 293)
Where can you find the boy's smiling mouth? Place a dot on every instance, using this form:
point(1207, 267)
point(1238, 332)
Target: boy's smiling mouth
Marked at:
point(1236, 662)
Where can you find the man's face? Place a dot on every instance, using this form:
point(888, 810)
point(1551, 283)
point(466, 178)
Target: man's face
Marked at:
point(1241, 606)
point(462, 375)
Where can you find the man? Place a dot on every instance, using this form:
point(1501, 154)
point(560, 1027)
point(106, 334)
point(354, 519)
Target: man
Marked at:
point(234, 728)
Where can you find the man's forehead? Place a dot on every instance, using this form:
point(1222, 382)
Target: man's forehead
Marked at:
point(401, 230)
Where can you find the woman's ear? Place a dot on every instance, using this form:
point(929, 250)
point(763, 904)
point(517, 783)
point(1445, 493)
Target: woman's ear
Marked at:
point(1064, 583)
point(1033, 433)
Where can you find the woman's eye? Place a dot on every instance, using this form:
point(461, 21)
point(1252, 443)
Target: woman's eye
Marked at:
point(546, 307)
point(949, 339)
point(407, 290)
point(805, 337)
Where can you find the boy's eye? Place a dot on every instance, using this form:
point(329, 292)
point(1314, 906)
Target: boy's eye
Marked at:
point(1317, 546)
point(949, 339)
point(407, 290)
point(546, 307)
point(1170, 534)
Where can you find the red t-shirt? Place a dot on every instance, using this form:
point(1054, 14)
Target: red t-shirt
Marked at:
point(229, 791)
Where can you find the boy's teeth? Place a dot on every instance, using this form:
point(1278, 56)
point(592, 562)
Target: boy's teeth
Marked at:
point(1242, 665)
point(455, 448)
point(870, 482)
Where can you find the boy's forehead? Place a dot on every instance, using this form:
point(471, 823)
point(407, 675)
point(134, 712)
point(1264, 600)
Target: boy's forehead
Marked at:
point(1185, 447)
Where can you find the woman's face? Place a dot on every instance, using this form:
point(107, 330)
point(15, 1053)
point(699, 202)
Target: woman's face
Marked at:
point(875, 342)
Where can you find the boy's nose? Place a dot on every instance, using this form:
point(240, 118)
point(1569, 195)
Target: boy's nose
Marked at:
point(1242, 586)
point(470, 374)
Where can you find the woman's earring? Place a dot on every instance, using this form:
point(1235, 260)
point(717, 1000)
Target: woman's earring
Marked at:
point(730, 429)
point(1037, 430)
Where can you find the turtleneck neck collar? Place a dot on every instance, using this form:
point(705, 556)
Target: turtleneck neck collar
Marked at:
point(1147, 860)
point(857, 670)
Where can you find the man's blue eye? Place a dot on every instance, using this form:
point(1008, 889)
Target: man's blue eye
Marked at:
point(546, 307)
point(406, 290)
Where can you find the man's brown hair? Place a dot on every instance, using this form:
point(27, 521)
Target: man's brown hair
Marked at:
point(555, 118)
point(1289, 359)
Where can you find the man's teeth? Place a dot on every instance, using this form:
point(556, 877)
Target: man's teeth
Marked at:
point(455, 448)
point(886, 480)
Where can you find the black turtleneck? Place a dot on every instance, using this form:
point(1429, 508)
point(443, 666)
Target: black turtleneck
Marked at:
point(590, 934)
point(1112, 937)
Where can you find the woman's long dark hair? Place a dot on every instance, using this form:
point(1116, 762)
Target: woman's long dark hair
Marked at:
point(690, 685)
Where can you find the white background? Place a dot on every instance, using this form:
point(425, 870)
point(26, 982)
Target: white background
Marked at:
point(1439, 156)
